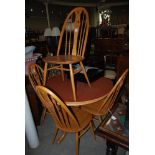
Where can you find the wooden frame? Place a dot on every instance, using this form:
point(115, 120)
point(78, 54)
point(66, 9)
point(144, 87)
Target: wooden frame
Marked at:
point(72, 43)
point(102, 106)
point(67, 119)
point(36, 78)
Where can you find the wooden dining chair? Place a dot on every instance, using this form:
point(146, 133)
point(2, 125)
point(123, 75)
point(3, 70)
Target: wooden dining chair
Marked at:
point(36, 78)
point(67, 119)
point(71, 46)
point(103, 105)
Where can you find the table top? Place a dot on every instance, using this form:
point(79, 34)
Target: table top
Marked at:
point(116, 129)
point(85, 94)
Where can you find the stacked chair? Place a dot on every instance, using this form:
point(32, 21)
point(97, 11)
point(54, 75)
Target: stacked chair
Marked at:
point(36, 78)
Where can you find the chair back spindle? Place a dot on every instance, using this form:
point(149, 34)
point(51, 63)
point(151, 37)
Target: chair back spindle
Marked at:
point(61, 114)
point(106, 102)
point(113, 94)
point(35, 75)
point(75, 32)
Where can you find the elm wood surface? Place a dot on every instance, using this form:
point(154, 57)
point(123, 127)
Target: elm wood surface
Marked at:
point(36, 78)
point(72, 42)
point(85, 94)
point(67, 119)
point(103, 106)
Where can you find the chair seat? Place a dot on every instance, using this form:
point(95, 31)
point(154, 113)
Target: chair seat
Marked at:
point(63, 59)
point(82, 117)
point(93, 108)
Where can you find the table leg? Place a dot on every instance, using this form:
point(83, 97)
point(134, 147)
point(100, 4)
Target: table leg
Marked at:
point(45, 73)
point(72, 81)
point(111, 148)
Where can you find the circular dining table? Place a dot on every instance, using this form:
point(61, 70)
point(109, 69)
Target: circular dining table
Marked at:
point(85, 94)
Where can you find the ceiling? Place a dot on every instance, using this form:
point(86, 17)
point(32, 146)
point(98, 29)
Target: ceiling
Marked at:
point(87, 3)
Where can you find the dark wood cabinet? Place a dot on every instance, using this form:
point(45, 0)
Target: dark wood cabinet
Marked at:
point(35, 104)
point(115, 46)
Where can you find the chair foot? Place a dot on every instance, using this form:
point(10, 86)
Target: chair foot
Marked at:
point(77, 143)
point(43, 116)
point(61, 138)
point(55, 134)
point(93, 129)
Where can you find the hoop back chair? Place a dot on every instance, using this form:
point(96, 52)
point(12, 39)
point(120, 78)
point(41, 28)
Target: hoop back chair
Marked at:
point(103, 106)
point(67, 119)
point(36, 78)
point(71, 46)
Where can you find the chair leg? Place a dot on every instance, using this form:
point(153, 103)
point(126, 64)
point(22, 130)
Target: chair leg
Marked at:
point(45, 73)
point(60, 139)
point(72, 81)
point(85, 74)
point(43, 116)
point(100, 119)
point(55, 134)
point(62, 73)
point(77, 143)
point(92, 129)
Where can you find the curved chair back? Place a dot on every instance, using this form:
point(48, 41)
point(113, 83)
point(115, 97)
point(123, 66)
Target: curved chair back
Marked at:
point(35, 75)
point(103, 105)
point(61, 114)
point(74, 33)
point(110, 99)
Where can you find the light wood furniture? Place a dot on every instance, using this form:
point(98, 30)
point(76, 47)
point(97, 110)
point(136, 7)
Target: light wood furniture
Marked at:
point(67, 119)
point(72, 43)
point(103, 106)
point(36, 78)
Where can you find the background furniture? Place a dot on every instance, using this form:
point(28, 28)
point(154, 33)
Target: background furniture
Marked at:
point(115, 130)
point(35, 103)
point(122, 63)
point(68, 120)
point(110, 48)
point(36, 79)
point(72, 44)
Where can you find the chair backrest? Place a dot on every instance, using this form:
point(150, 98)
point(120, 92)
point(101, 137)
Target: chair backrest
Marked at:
point(74, 33)
point(35, 75)
point(61, 114)
point(108, 101)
